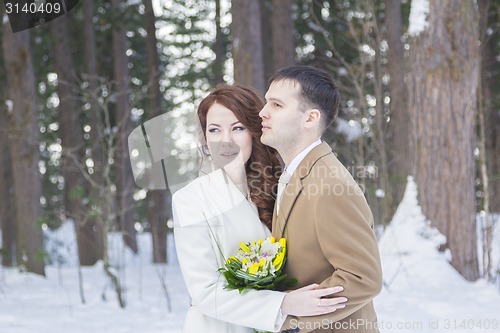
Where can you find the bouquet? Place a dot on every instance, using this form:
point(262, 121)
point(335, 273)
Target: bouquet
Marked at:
point(258, 265)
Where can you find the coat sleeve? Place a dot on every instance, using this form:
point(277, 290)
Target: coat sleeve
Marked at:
point(348, 241)
point(344, 231)
point(198, 254)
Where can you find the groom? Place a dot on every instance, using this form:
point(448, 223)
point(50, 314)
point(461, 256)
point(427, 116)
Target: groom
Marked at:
point(320, 209)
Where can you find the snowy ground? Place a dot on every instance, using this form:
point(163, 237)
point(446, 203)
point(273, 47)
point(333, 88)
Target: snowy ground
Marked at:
point(422, 292)
point(33, 304)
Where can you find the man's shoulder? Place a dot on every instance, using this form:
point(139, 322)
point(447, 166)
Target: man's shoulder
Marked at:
point(328, 168)
point(329, 177)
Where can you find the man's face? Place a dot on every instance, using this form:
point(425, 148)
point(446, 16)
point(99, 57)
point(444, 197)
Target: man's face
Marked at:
point(282, 117)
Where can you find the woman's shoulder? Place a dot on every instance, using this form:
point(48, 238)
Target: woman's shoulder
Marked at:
point(197, 187)
point(199, 200)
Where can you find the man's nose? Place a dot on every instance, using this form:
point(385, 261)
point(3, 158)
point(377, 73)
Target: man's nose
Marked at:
point(263, 112)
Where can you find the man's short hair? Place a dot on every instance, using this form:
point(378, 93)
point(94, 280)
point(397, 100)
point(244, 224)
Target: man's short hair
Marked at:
point(317, 90)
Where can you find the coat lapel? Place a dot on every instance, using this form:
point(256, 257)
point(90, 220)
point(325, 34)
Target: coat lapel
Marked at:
point(295, 188)
point(292, 191)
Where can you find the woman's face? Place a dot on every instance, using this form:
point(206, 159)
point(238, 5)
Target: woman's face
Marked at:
point(229, 141)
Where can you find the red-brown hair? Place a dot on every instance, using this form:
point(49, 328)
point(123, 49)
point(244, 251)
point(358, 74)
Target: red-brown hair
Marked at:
point(263, 166)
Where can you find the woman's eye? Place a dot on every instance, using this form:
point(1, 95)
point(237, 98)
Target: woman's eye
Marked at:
point(239, 128)
point(213, 130)
point(276, 105)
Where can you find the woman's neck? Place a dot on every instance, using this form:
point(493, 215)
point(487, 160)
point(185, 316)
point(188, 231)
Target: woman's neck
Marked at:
point(238, 176)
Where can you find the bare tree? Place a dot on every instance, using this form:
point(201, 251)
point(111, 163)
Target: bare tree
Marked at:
point(106, 207)
point(489, 129)
point(397, 137)
point(490, 80)
point(91, 231)
point(362, 80)
point(379, 130)
point(7, 195)
point(218, 47)
point(23, 137)
point(159, 201)
point(124, 178)
point(444, 68)
point(71, 134)
point(247, 45)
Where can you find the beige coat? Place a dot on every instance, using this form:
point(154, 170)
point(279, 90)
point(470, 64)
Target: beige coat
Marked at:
point(329, 230)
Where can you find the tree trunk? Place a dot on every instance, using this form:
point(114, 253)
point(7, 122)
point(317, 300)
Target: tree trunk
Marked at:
point(490, 78)
point(158, 210)
point(218, 48)
point(71, 134)
point(7, 195)
point(282, 32)
point(247, 45)
point(23, 136)
point(124, 179)
point(442, 101)
point(397, 136)
point(267, 39)
point(90, 242)
point(385, 200)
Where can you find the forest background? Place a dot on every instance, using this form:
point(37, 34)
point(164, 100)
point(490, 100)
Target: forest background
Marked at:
point(418, 81)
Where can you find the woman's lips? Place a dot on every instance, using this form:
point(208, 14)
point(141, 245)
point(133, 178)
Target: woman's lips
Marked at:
point(229, 155)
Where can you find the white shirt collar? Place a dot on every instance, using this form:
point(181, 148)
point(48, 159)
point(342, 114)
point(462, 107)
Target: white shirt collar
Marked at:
point(290, 168)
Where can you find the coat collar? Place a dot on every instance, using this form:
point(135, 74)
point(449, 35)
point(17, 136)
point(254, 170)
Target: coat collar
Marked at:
point(305, 166)
point(295, 187)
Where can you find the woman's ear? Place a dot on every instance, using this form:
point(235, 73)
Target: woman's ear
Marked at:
point(205, 150)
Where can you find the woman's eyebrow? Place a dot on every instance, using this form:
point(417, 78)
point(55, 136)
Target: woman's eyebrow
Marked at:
point(236, 122)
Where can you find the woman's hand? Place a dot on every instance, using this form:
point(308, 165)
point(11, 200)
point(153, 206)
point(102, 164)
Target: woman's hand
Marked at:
point(308, 301)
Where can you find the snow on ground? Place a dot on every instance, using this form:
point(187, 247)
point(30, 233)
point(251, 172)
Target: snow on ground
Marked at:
point(33, 304)
point(422, 292)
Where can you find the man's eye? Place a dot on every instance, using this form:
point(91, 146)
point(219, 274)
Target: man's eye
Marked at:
point(276, 105)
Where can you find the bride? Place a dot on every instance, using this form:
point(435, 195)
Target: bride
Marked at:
point(235, 203)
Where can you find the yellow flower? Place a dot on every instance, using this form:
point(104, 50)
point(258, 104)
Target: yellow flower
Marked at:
point(283, 245)
point(232, 258)
point(244, 247)
point(244, 261)
point(262, 262)
point(283, 242)
point(272, 240)
point(259, 241)
point(278, 261)
point(253, 269)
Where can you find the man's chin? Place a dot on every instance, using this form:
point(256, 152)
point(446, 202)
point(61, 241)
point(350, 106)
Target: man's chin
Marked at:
point(265, 140)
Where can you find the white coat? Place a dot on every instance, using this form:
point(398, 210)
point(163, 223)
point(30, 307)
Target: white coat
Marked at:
point(211, 217)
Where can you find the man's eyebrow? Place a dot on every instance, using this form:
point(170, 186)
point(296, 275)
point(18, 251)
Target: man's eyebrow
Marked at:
point(274, 99)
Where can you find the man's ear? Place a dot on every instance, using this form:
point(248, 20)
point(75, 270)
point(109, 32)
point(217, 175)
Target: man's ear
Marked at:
point(313, 118)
